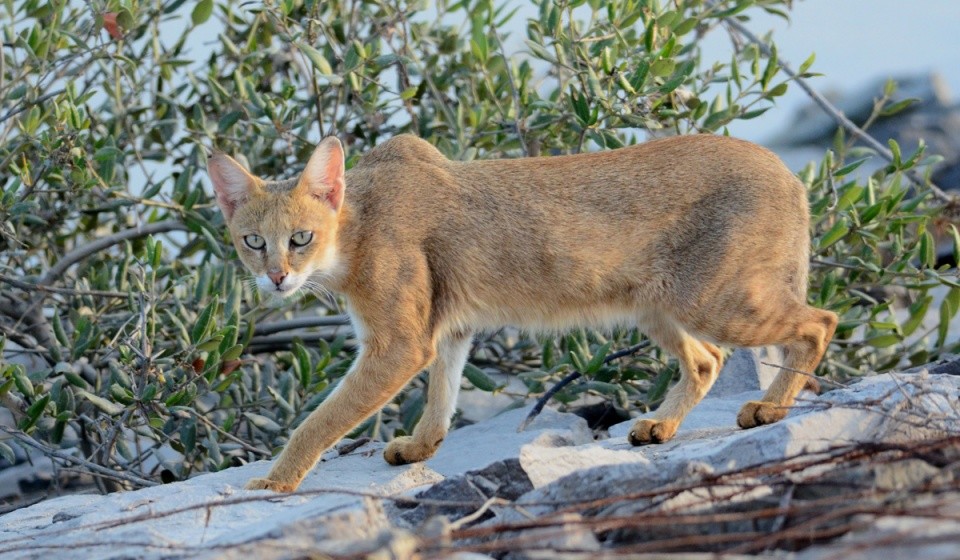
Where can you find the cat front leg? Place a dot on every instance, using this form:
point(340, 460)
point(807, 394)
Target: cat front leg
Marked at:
point(442, 389)
point(376, 377)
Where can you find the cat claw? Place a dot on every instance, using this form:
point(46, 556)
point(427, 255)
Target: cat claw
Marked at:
point(759, 413)
point(649, 431)
point(405, 450)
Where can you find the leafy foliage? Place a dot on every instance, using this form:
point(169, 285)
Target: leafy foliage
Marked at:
point(131, 334)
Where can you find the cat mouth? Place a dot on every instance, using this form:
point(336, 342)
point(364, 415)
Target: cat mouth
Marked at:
point(285, 290)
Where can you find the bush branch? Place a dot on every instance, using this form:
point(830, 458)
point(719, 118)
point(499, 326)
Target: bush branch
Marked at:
point(92, 467)
point(84, 251)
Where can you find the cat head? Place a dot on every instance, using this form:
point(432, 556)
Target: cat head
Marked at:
point(284, 232)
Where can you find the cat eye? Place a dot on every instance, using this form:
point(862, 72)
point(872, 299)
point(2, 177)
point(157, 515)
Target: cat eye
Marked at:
point(301, 238)
point(255, 242)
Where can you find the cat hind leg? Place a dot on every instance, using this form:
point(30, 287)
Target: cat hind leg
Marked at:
point(804, 342)
point(700, 362)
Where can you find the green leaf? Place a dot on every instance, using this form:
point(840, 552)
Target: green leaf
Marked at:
point(75, 380)
point(228, 121)
point(58, 331)
point(918, 311)
point(597, 361)
point(928, 250)
point(478, 378)
point(836, 233)
point(953, 297)
point(149, 392)
point(316, 58)
point(871, 212)
point(225, 383)
point(176, 398)
point(110, 407)
point(639, 75)
point(121, 394)
point(943, 327)
point(125, 18)
point(7, 453)
point(202, 11)
point(754, 114)
point(210, 343)
point(203, 322)
point(24, 385)
point(188, 435)
point(847, 169)
point(660, 384)
point(303, 363)
point(895, 108)
point(262, 422)
point(157, 254)
point(686, 26)
point(33, 413)
point(895, 150)
point(777, 90)
point(354, 57)
point(547, 354)
point(580, 107)
point(232, 353)
point(386, 60)
point(771, 69)
point(662, 68)
point(956, 243)
point(602, 387)
point(884, 340)
point(6, 386)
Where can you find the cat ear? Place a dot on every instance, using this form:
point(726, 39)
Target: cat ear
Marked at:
point(323, 177)
point(232, 184)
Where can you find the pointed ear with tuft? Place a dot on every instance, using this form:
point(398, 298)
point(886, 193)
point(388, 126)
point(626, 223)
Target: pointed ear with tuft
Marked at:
point(323, 177)
point(232, 184)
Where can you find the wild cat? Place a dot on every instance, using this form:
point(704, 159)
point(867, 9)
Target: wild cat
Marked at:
point(696, 240)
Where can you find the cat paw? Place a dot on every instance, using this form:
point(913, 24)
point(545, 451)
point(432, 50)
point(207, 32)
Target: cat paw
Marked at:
point(404, 450)
point(649, 431)
point(758, 413)
point(267, 484)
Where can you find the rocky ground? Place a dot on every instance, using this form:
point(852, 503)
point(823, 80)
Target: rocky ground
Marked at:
point(868, 470)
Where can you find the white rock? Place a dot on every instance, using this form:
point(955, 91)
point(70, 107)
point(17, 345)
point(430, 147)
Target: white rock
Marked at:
point(544, 465)
point(212, 510)
point(745, 370)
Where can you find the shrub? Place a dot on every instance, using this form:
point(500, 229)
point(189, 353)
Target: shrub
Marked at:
point(150, 354)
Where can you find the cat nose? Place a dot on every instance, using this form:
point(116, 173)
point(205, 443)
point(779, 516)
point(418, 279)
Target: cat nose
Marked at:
point(277, 277)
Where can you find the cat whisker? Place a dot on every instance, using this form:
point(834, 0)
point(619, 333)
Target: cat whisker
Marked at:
point(315, 285)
